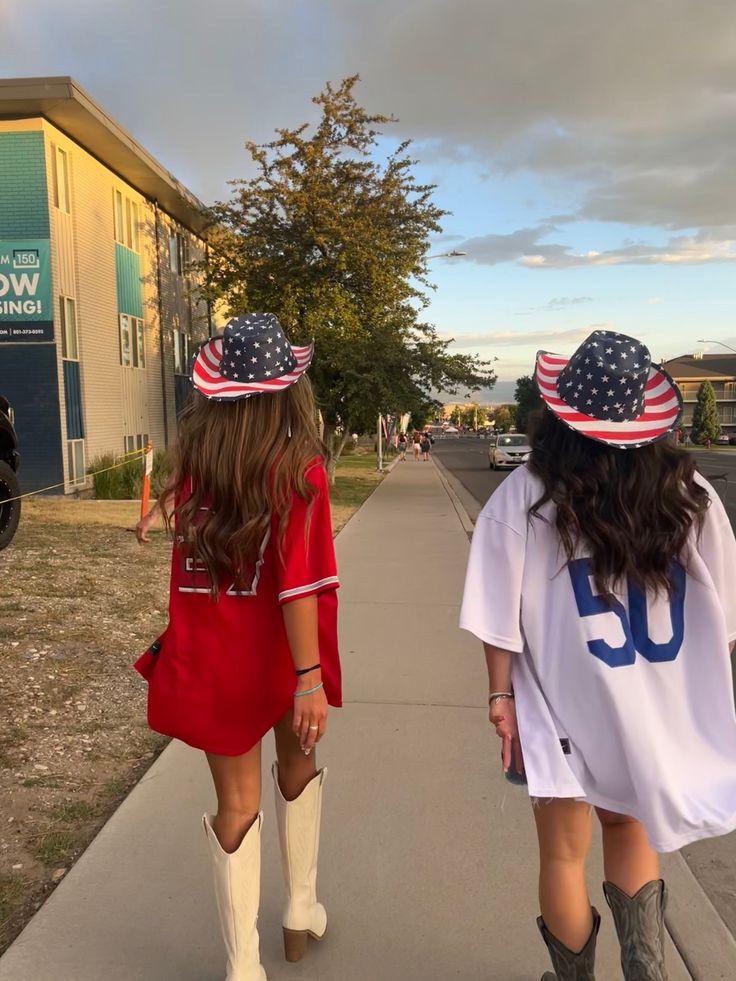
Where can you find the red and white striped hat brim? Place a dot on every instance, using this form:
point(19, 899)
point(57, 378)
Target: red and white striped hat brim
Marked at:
point(661, 413)
point(208, 380)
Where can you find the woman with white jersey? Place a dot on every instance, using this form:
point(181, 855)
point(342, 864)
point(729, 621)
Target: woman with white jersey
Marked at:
point(602, 582)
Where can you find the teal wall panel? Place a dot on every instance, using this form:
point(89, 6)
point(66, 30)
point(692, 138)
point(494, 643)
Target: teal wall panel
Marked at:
point(24, 207)
point(128, 276)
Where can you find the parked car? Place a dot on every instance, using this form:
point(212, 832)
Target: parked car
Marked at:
point(723, 440)
point(508, 450)
point(9, 464)
point(452, 431)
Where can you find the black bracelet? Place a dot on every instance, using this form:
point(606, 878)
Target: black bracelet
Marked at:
point(307, 670)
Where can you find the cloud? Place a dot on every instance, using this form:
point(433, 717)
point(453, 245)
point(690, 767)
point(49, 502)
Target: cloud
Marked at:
point(525, 246)
point(535, 338)
point(631, 101)
point(562, 302)
point(680, 250)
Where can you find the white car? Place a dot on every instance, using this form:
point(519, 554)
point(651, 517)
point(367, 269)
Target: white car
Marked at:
point(508, 450)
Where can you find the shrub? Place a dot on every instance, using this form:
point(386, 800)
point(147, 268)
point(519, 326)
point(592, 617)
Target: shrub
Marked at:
point(105, 484)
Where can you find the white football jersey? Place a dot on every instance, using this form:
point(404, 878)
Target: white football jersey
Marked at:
point(627, 704)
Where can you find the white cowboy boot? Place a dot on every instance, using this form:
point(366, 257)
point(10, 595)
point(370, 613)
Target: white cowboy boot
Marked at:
point(299, 823)
point(237, 892)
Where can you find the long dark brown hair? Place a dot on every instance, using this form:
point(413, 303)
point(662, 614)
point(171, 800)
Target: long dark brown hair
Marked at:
point(632, 509)
point(242, 462)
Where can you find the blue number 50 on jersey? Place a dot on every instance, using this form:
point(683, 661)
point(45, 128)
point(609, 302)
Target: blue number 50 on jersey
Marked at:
point(635, 625)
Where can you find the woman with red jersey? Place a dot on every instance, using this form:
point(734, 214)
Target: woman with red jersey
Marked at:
point(251, 643)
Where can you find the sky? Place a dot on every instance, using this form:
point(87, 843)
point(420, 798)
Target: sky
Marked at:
point(586, 149)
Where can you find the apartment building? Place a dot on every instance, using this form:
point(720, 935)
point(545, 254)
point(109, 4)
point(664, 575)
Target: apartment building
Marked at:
point(690, 370)
point(99, 310)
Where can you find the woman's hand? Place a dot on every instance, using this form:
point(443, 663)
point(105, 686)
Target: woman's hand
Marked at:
point(310, 713)
point(145, 525)
point(502, 715)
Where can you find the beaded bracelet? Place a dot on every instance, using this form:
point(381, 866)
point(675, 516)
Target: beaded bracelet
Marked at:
point(308, 691)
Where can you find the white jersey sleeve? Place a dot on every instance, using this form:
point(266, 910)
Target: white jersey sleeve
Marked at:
point(716, 546)
point(491, 607)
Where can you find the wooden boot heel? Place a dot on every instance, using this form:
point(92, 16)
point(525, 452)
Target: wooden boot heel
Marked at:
point(295, 944)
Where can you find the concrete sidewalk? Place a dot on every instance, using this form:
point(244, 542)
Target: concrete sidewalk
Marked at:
point(428, 857)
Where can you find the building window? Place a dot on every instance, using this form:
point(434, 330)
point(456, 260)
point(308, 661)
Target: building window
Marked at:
point(133, 226)
point(60, 173)
point(137, 442)
point(132, 345)
point(68, 321)
point(125, 217)
point(75, 454)
point(178, 253)
point(181, 353)
point(117, 201)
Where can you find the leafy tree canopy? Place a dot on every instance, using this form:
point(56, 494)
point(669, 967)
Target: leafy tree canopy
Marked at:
point(334, 241)
point(706, 424)
point(527, 400)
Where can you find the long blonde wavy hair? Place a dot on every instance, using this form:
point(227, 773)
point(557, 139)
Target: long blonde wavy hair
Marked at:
point(241, 461)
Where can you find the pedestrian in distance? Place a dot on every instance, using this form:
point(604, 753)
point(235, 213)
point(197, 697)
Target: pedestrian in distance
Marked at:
point(601, 584)
point(416, 444)
point(251, 643)
point(402, 446)
point(425, 446)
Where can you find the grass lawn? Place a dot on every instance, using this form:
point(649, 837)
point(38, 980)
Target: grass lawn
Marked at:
point(80, 600)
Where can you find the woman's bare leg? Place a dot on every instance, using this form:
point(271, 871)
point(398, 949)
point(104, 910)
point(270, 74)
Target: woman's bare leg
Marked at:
point(237, 782)
point(295, 769)
point(563, 830)
point(628, 860)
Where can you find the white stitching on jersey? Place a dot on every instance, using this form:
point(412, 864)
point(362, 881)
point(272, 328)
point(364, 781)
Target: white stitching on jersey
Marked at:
point(298, 590)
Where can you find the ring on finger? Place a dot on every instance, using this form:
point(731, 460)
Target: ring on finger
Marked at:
point(313, 728)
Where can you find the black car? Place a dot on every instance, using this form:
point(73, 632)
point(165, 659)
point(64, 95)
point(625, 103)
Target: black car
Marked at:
point(9, 464)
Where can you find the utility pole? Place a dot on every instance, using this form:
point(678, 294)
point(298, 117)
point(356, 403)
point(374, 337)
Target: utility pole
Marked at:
point(379, 465)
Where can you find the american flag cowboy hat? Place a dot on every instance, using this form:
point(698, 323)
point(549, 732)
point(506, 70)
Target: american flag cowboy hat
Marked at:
point(610, 391)
point(251, 356)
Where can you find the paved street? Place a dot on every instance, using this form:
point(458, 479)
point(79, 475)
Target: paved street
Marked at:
point(713, 861)
point(467, 459)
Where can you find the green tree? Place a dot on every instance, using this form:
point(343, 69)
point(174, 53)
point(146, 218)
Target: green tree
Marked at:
point(469, 416)
point(334, 241)
point(504, 418)
point(527, 400)
point(705, 417)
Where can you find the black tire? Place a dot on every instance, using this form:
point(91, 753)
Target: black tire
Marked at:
point(9, 513)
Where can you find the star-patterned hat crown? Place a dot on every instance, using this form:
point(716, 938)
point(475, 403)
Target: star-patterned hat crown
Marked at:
point(253, 355)
point(610, 391)
point(606, 377)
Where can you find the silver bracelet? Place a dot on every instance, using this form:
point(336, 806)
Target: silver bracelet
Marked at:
point(499, 696)
point(308, 691)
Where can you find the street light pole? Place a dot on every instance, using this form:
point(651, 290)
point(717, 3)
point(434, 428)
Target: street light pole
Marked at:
point(728, 346)
point(447, 255)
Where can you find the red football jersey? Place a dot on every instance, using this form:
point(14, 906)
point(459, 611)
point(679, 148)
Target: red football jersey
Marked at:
point(222, 675)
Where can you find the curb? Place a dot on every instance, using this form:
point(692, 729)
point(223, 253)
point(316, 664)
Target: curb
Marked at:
point(453, 489)
point(703, 941)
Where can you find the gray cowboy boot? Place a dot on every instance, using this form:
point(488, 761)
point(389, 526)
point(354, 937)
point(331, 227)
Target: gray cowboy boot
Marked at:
point(639, 923)
point(569, 966)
